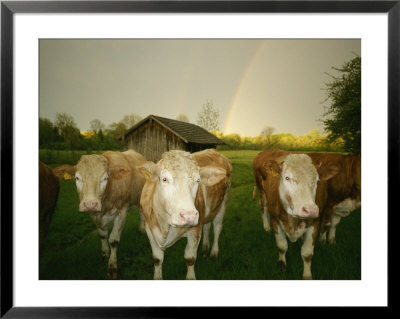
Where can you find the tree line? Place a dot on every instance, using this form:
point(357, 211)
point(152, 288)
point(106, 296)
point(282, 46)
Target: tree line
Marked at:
point(64, 134)
point(312, 141)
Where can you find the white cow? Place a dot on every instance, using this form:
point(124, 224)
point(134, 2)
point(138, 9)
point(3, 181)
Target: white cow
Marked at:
point(108, 186)
point(183, 191)
point(293, 191)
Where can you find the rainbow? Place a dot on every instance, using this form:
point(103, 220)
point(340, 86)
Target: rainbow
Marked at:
point(247, 71)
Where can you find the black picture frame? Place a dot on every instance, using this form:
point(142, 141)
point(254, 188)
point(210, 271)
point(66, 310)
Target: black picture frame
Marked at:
point(9, 8)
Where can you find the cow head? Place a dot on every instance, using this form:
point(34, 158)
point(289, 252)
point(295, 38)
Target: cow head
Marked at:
point(298, 183)
point(177, 177)
point(91, 174)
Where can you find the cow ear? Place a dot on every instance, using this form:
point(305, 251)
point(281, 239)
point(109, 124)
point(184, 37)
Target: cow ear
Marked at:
point(326, 170)
point(149, 170)
point(273, 168)
point(211, 175)
point(118, 171)
point(65, 172)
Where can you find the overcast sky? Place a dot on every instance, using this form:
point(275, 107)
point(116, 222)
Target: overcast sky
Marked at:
point(253, 83)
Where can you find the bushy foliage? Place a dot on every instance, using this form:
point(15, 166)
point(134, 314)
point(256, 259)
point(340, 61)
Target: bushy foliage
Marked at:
point(312, 141)
point(208, 117)
point(64, 135)
point(48, 133)
point(343, 117)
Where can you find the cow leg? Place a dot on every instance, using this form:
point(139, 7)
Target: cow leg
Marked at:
point(158, 254)
point(325, 223)
point(193, 240)
point(282, 244)
point(142, 228)
point(265, 218)
point(217, 226)
point(102, 230)
point(342, 209)
point(206, 239)
point(105, 248)
point(335, 220)
point(307, 251)
point(322, 235)
point(114, 239)
point(265, 213)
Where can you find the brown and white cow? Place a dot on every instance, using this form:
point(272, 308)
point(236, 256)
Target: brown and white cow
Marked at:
point(292, 193)
point(344, 190)
point(108, 186)
point(49, 187)
point(182, 193)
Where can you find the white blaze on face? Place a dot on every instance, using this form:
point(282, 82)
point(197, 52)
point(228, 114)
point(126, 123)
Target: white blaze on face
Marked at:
point(177, 177)
point(298, 186)
point(91, 179)
point(178, 181)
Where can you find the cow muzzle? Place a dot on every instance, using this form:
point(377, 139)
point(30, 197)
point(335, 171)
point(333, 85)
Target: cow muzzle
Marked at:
point(309, 212)
point(90, 206)
point(187, 219)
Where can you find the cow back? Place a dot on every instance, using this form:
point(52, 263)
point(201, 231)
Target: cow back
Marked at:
point(347, 183)
point(127, 190)
point(209, 198)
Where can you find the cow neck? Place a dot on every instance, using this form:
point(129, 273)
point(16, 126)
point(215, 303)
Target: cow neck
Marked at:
point(161, 221)
point(292, 223)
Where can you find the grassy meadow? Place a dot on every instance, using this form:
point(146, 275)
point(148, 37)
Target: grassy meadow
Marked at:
point(72, 247)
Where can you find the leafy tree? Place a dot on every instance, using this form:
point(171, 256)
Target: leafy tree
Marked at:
point(47, 132)
point(266, 134)
point(68, 130)
point(208, 117)
point(286, 140)
point(100, 135)
point(267, 131)
point(343, 117)
point(131, 119)
point(233, 140)
point(63, 122)
point(182, 117)
point(116, 130)
point(96, 125)
point(110, 143)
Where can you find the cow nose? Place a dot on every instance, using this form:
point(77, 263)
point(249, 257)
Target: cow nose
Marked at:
point(310, 211)
point(189, 218)
point(91, 205)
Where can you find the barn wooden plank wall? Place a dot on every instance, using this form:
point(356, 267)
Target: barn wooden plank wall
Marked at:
point(152, 139)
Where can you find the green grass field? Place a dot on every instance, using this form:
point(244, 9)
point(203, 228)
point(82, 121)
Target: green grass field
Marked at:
point(72, 247)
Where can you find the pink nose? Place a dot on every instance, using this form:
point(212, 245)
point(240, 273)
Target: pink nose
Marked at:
point(189, 218)
point(310, 211)
point(90, 206)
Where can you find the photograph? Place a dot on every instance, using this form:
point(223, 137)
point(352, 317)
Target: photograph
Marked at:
point(160, 157)
point(247, 149)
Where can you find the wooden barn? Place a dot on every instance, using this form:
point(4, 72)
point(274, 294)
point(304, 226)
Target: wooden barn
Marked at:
point(155, 135)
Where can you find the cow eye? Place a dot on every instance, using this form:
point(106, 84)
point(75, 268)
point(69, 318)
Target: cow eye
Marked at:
point(198, 180)
point(287, 178)
point(77, 178)
point(105, 178)
point(164, 179)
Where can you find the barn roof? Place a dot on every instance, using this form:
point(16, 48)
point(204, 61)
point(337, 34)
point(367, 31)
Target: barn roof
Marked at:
point(188, 132)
